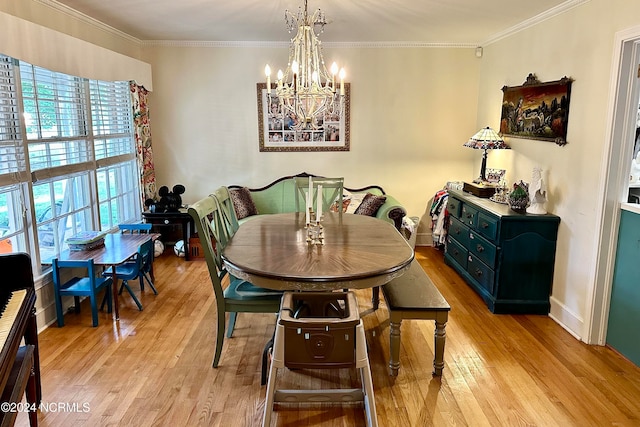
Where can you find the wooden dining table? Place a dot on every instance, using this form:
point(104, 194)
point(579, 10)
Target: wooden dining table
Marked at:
point(358, 252)
point(118, 248)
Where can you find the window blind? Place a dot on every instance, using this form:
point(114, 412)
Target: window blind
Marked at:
point(12, 158)
point(111, 120)
point(55, 118)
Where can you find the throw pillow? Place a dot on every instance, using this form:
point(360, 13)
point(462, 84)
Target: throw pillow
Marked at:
point(242, 202)
point(370, 204)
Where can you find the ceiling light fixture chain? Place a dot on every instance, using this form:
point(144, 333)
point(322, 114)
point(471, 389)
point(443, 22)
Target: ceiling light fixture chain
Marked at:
point(300, 89)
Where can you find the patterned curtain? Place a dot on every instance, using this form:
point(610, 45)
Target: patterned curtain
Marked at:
point(143, 142)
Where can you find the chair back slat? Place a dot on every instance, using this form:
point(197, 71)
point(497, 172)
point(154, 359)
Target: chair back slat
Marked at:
point(145, 252)
point(139, 228)
point(205, 213)
point(229, 219)
point(332, 192)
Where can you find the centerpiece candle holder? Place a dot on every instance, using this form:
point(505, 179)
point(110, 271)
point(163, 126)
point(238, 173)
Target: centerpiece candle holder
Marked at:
point(315, 230)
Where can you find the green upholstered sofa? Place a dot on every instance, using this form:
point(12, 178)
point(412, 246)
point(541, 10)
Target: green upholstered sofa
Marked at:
point(279, 197)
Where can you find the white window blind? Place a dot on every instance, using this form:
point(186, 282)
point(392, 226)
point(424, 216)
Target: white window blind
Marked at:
point(111, 120)
point(12, 158)
point(55, 118)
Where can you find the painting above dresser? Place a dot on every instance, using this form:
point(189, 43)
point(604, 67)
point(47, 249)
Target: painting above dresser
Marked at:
point(505, 256)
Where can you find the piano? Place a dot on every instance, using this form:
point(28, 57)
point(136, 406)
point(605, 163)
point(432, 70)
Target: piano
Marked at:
point(19, 356)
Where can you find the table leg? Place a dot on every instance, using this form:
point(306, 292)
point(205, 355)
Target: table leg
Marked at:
point(114, 294)
point(395, 322)
point(185, 237)
point(439, 337)
point(375, 297)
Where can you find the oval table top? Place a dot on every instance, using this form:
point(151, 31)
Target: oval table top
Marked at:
point(359, 252)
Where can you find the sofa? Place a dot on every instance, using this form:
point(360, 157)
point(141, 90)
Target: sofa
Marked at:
point(279, 197)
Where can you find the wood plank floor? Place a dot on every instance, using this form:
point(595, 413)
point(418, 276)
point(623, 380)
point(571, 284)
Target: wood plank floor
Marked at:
point(154, 367)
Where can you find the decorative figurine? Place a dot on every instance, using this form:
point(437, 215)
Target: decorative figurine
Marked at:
point(537, 193)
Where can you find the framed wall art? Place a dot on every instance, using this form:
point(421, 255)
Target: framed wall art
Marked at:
point(276, 132)
point(537, 110)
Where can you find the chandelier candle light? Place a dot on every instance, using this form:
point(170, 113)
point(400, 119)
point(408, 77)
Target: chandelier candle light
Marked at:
point(300, 88)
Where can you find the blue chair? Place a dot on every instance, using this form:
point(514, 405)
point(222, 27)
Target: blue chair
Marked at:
point(138, 228)
point(88, 286)
point(135, 270)
point(141, 228)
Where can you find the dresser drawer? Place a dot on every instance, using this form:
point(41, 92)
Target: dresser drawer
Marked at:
point(481, 272)
point(459, 231)
point(469, 215)
point(457, 251)
point(482, 248)
point(487, 226)
point(453, 206)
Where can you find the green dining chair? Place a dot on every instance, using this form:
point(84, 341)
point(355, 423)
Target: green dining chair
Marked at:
point(239, 296)
point(79, 286)
point(228, 218)
point(332, 192)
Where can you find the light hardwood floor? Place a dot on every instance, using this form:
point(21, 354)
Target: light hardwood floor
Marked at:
point(154, 367)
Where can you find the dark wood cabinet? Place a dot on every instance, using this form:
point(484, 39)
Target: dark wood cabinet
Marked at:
point(506, 256)
point(173, 226)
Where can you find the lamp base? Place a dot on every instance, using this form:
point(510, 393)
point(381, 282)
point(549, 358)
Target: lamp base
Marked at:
point(483, 189)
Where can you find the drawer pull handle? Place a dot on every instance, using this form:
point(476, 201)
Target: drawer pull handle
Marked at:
point(478, 272)
point(484, 225)
point(166, 221)
point(480, 248)
point(455, 252)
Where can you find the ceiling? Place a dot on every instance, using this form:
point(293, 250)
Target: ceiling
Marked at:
point(462, 22)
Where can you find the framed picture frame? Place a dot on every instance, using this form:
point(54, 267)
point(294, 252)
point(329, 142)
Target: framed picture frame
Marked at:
point(495, 176)
point(537, 110)
point(275, 134)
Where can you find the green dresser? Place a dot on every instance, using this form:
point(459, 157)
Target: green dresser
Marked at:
point(507, 257)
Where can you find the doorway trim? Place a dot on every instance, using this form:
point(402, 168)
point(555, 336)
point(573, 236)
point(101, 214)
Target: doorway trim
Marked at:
point(620, 130)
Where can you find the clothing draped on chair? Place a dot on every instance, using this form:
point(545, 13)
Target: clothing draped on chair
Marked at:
point(143, 141)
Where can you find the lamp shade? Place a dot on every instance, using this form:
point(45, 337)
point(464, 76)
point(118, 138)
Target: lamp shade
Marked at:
point(486, 139)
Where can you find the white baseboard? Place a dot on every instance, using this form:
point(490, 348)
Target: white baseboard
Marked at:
point(424, 239)
point(566, 318)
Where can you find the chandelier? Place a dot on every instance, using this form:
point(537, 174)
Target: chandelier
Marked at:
point(306, 89)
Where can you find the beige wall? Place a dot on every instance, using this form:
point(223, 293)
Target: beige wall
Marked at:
point(411, 111)
point(577, 44)
point(23, 39)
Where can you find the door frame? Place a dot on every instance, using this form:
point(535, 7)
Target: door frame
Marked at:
point(620, 132)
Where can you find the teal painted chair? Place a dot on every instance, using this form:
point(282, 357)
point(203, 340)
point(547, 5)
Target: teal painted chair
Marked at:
point(137, 228)
point(133, 270)
point(147, 267)
point(86, 286)
point(239, 296)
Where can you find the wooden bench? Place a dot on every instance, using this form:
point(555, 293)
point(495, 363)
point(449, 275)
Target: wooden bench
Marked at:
point(414, 296)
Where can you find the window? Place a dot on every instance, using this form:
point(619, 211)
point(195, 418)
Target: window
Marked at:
point(79, 172)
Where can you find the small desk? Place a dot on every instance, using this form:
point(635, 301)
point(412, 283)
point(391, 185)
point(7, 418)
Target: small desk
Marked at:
point(117, 249)
point(160, 220)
